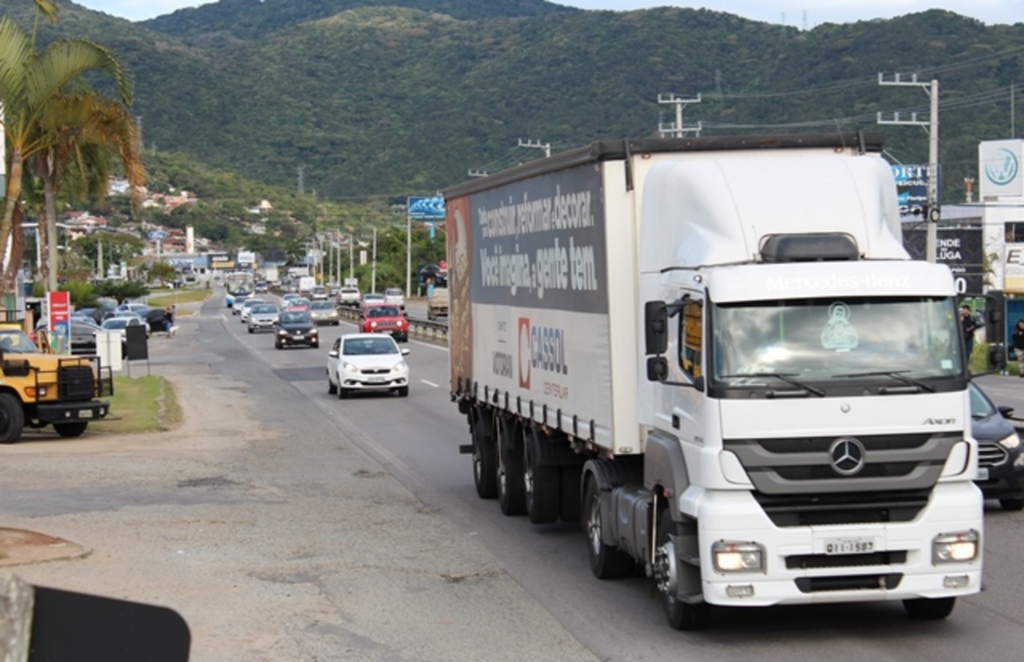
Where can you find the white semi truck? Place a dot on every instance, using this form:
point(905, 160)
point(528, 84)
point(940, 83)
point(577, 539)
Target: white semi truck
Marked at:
point(716, 354)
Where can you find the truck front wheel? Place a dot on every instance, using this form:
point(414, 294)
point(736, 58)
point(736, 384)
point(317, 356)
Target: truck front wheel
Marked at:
point(667, 571)
point(71, 429)
point(12, 419)
point(606, 561)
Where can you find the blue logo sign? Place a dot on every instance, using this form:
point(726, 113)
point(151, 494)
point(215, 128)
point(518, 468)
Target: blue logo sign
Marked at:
point(426, 208)
point(157, 235)
point(1002, 172)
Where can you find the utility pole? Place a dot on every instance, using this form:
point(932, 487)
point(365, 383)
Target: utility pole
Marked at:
point(373, 270)
point(677, 130)
point(408, 256)
point(535, 145)
point(931, 127)
point(99, 257)
point(302, 184)
point(351, 255)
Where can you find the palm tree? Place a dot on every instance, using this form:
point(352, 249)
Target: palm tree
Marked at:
point(85, 128)
point(30, 81)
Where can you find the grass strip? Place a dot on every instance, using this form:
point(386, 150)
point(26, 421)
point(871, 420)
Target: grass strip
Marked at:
point(141, 404)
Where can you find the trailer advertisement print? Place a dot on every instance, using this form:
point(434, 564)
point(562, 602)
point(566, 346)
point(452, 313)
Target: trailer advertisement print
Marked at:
point(537, 254)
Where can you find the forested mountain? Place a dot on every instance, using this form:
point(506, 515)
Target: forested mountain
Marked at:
point(389, 98)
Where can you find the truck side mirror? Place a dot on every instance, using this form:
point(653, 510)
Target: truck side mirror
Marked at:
point(655, 330)
point(657, 369)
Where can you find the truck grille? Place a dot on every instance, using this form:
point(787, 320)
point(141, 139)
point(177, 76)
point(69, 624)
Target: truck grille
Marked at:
point(803, 465)
point(991, 454)
point(75, 383)
point(809, 561)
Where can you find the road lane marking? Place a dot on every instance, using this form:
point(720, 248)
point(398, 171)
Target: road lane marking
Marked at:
point(430, 383)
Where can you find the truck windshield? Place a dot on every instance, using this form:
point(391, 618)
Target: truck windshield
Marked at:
point(844, 341)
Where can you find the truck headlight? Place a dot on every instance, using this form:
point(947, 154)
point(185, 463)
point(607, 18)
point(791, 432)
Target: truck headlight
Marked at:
point(955, 547)
point(1010, 441)
point(737, 556)
point(33, 392)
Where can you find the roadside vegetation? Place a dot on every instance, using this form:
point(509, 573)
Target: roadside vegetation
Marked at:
point(141, 404)
point(164, 298)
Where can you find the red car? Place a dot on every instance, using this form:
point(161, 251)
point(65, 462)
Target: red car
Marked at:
point(298, 304)
point(384, 319)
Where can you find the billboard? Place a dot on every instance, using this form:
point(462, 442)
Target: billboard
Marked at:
point(960, 248)
point(427, 209)
point(999, 168)
point(911, 188)
point(58, 305)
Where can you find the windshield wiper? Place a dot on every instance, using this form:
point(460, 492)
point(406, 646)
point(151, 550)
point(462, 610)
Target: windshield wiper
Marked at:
point(783, 376)
point(898, 375)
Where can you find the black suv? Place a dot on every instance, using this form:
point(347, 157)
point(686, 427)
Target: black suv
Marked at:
point(1000, 451)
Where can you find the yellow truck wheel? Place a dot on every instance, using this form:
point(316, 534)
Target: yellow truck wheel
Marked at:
point(12, 419)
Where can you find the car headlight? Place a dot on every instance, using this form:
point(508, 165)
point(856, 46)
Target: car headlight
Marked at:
point(282, 332)
point(737, 556)
point(1010, 441)
point(398, 367)
point(373, 325)
point(351, 367)
point(313, 332)
point(955, 547)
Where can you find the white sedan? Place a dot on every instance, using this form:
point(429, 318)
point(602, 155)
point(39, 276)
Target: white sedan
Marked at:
point(367, 362)
point(246, 307)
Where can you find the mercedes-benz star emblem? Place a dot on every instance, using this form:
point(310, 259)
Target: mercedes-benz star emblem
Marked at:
point(847, 456)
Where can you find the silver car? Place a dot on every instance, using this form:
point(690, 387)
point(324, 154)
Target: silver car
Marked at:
point(324, 312)
point(262, 316)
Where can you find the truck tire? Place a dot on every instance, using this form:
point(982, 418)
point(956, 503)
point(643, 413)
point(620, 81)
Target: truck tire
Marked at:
point(12, 419)
point(572, 475)
point(929, 609)
point(667, 566)
point(1012, 504)
point(606, 562)
point(485, 455)
point(541, 481)
point(69, 430)
point(511, 497)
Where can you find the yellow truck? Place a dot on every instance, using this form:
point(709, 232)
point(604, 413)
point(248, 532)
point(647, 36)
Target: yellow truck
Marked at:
point(38, 389)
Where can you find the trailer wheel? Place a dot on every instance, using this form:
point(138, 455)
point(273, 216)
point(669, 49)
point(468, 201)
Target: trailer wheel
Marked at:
point(68, 430)
point(606, 562)
point(541, 484)
point(681, 615)
point(12, 419)
point(929, 609)
point(510, 468)
point(572, 475)
point(485, 456)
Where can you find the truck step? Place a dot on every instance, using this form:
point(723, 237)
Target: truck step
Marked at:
point(466, 449)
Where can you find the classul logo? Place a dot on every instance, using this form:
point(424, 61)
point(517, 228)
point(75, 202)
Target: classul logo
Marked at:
point(1003, 169)
point(541, 348)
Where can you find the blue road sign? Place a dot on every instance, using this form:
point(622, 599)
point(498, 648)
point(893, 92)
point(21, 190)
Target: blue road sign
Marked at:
point(427, 208)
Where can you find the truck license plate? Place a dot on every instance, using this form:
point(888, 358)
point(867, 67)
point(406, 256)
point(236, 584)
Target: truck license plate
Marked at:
point(849, 546)
point(85, 413)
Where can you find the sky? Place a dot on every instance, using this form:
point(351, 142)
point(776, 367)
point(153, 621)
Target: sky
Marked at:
point(799, 13)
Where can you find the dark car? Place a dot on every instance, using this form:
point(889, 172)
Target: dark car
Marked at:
point(155, 319)
point(1000, 452)
point(296, 327)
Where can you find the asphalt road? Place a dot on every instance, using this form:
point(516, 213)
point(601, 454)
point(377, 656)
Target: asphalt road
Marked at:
point(295, 531)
